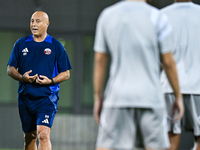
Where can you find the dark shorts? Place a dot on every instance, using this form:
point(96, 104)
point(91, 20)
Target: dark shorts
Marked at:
point(36, 112)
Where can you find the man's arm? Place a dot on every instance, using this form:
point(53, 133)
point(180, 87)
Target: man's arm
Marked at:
point(12, 72)
point(57, 79)
point(62, 77)
point(171, 72)
point(99, 75)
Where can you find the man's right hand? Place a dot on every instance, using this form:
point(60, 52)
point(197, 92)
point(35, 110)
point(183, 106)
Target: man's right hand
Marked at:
point(178, 105)
point(27, 78)
point(97, 108)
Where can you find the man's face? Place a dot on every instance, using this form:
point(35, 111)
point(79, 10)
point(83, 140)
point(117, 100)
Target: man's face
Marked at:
point(39, 24)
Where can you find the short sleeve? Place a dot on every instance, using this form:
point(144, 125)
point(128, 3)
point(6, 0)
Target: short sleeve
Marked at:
point(14, 57)
point(165, 37)
point(62, 59)
point(100, 41)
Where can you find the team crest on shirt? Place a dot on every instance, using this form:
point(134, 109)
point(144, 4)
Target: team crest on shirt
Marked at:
point(47, 51)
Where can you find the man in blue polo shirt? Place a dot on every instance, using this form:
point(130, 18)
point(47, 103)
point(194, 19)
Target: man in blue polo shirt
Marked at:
point(39, 62)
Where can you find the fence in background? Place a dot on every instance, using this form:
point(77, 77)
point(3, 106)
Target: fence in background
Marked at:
point(69, 131)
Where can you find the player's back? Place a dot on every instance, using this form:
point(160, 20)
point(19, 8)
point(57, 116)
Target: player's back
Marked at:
point(131, 34)
point(184, 17)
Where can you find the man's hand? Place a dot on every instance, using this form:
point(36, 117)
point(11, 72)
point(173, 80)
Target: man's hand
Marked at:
point(27, 78)
point(97, 108)
point(178, 105)
point(43, 80)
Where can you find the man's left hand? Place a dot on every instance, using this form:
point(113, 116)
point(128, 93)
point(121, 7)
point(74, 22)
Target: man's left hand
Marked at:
point(43, 80)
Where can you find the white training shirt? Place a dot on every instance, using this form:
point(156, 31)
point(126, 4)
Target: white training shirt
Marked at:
point(132, 32)
point(185, 20)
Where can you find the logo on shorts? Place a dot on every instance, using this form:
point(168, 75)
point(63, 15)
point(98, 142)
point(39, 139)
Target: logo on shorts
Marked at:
point(46, 120)
point(47, 51)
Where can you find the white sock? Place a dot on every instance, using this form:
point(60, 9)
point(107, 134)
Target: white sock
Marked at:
point(195, 146)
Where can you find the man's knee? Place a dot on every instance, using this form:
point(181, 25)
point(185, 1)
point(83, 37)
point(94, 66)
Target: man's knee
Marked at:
point(43, 136)
point(43, 133)
point(30, 137)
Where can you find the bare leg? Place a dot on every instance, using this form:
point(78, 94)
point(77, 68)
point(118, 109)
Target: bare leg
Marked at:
point(30, 140)
point(44, 137)
point(174, 141)
point(197, 139)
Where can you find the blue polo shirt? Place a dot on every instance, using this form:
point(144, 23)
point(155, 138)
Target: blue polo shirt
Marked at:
point(47, 58)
